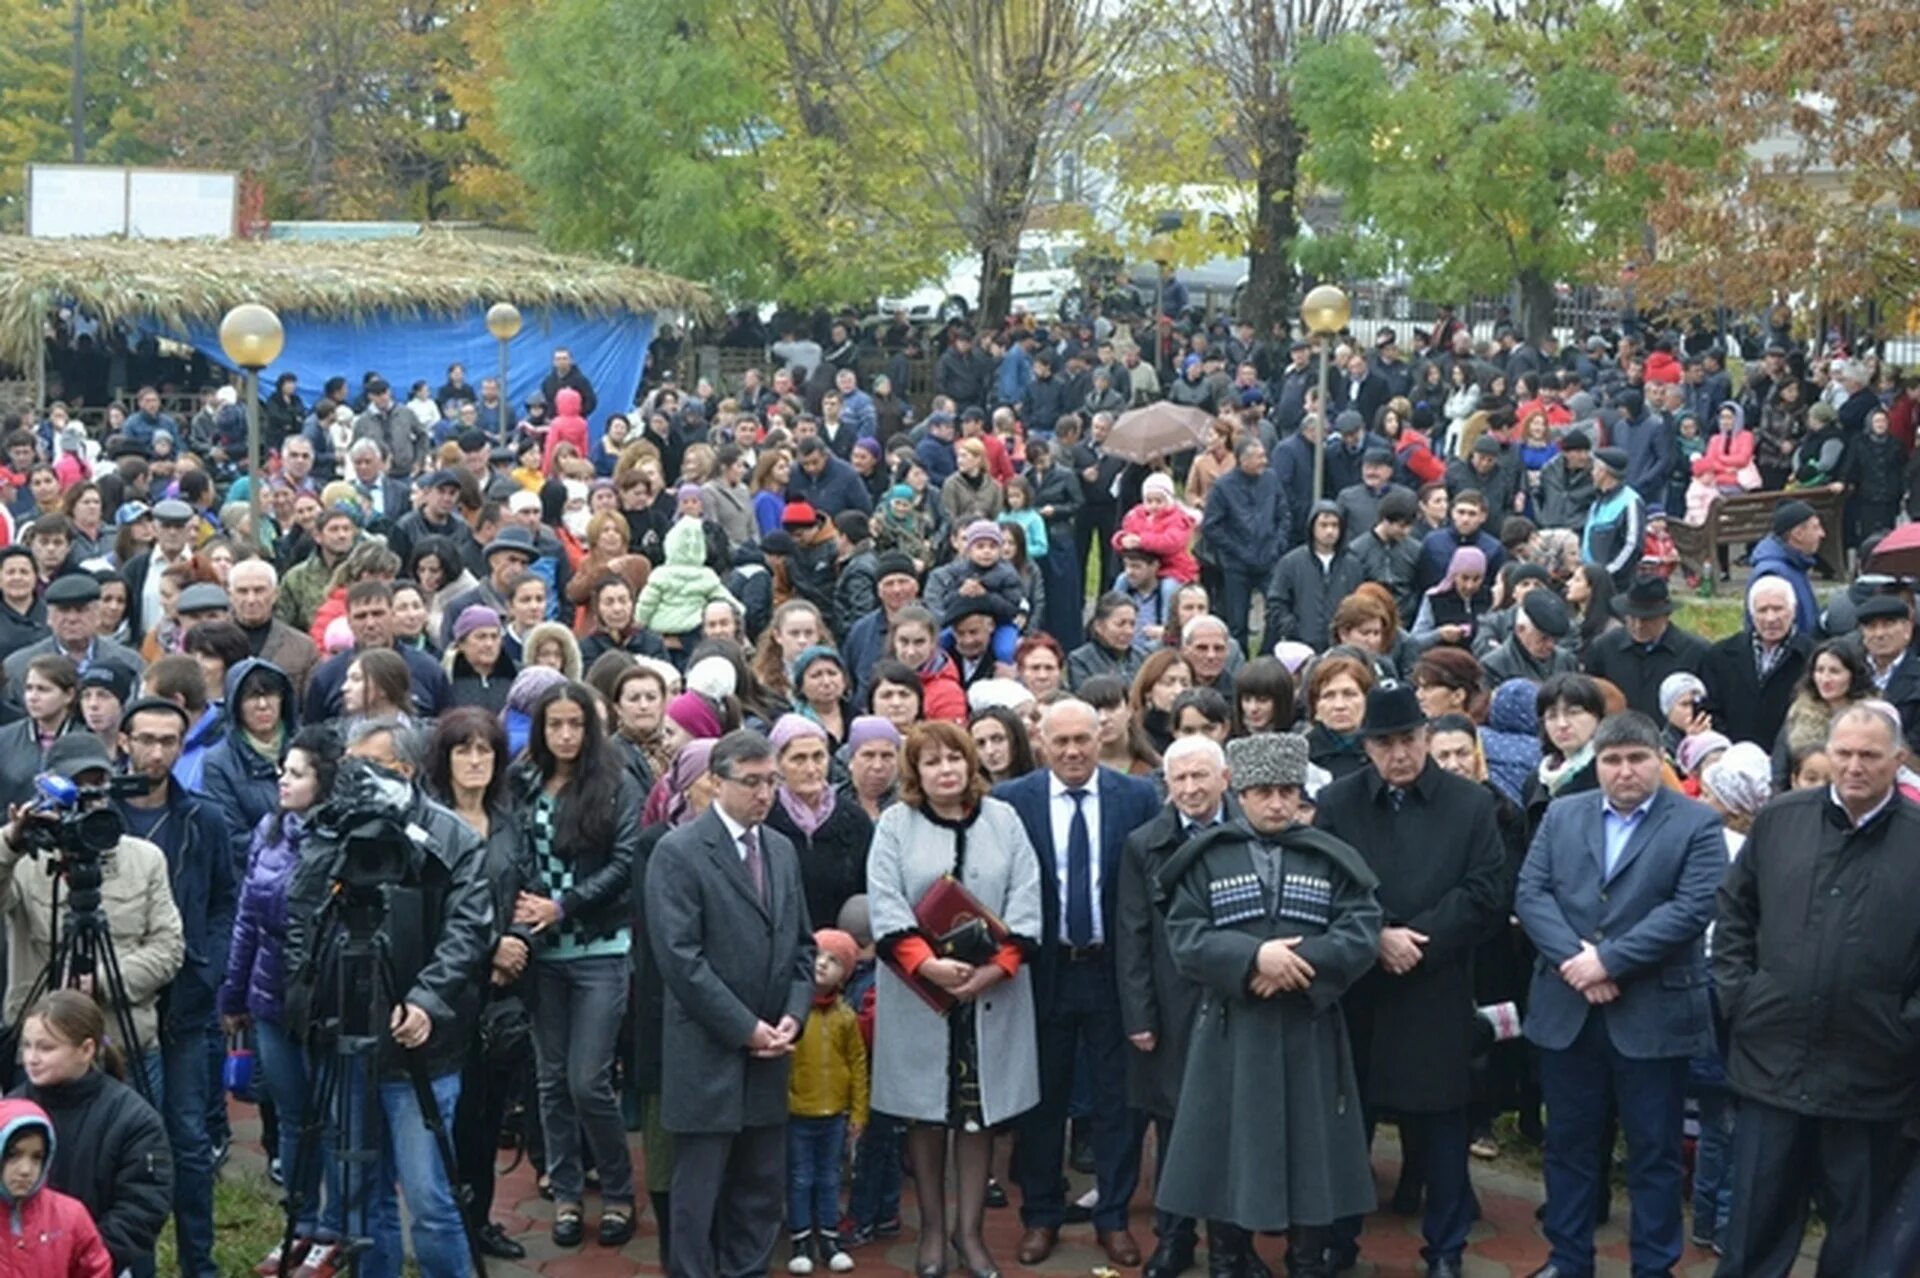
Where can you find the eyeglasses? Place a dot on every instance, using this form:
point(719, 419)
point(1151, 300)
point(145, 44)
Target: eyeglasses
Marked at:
point(760, 781)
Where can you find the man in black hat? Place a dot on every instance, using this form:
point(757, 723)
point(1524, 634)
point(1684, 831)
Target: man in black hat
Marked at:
point(1433, 839)
point(193, 837)
point(508, 555)
point(434, 517)
point(1566, 483)
point(1617, 520)
point(73, 620)
point(1647, 648)
point(1533, 650)
point(1791, 551)
point(1886, 635)
point(1360, 502)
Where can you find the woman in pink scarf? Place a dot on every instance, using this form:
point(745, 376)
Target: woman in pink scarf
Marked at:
point(828, 827)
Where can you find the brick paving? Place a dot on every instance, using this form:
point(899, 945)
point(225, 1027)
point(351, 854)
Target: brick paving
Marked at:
point(1506, 1243)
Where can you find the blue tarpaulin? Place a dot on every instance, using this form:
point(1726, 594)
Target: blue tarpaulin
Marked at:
point(610, 349)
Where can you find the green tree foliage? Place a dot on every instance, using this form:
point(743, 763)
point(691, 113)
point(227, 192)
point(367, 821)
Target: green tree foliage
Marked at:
point(1506, 147)
point(127, 44)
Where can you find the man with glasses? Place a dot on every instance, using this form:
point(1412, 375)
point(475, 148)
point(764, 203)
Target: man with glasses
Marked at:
point(179, 1064)
point(727, 918)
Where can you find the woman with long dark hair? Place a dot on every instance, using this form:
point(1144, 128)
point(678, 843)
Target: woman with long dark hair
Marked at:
point(467, 771)
point(581, 809)
point(1000, 737)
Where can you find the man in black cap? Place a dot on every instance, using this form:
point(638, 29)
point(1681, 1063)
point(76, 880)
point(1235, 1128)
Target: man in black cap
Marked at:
point(1276, 921)
point(1886, 635)
point(1533, 650)
point(1486, 471)
point(1389, 365)
point(1616, 522)
point(964, 373)
point(201, 603)
point(1791, 551)
point(1360, 502)
point(434, 517)
point(193, 837)
point(509, 554)
point(1566, 483)
point(394, 428)
point(104, 694)
point(896, 585)
point(1388, 552)
point(1433, 840)
point(1646, 648)
point(73, 619)
point(1289, 392)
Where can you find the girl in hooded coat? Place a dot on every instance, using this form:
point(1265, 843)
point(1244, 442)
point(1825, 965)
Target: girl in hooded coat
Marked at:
point(48, 1233)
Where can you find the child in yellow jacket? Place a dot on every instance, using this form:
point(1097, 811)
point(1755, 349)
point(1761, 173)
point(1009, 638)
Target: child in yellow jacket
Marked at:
point(826, 1108)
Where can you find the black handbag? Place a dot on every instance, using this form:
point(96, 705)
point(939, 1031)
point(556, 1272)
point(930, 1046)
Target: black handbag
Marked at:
point(506, 1032)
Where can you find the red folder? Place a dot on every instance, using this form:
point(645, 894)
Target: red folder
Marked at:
point(952, 920)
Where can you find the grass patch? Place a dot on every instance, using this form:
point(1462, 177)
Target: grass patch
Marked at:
point(246, 1223)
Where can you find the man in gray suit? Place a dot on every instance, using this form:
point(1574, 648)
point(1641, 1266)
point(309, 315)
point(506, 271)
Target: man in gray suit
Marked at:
point(1616, 893)
point(727, 920)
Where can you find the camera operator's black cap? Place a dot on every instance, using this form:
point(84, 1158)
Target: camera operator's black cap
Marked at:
point(145, 704)
point(77, 753)
point(74, 590)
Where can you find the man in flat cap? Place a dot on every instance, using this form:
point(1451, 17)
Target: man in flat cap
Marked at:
point(1274, 920)
point(1617, 521)
point(73, 617)
point(1533, 650)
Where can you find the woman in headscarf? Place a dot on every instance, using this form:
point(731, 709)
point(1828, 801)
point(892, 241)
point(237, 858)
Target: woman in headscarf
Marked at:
point(828, 828)
point(691, 787)
point(873, 764)
point(690, 717)
point(1450, 613)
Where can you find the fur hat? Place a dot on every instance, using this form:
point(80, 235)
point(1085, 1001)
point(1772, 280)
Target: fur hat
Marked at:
point(1267, 758)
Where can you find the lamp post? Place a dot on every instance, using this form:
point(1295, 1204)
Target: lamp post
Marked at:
point(1325, 311)
point(503, 321)
point(251, 336)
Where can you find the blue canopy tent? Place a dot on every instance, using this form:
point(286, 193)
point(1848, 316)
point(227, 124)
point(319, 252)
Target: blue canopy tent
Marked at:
point(406, 308)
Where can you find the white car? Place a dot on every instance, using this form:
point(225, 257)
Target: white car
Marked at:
point(1042, 274)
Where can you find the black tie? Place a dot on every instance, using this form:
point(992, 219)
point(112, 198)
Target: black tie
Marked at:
point(1397, 795)
point(1079, 875)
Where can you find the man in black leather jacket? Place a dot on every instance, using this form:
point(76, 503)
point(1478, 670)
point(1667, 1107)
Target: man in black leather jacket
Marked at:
point(439, 973)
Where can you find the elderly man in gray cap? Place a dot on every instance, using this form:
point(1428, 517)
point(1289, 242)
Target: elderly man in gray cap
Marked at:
point(1274, 920)
point(1617, 520)
point(1533, 651)
point(73, 618)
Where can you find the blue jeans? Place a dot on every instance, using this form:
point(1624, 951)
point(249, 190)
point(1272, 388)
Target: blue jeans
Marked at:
point(813, 1172)
point(179, 1074)
point(875, 1196)
point(1713, 1165)
point(283, 1073)
point(409, 1157)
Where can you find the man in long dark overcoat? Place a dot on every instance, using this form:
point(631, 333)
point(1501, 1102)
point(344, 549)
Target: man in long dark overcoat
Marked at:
point(727, 920)
point(1275, 921)
point(1434, 841)
point(1157, 1003)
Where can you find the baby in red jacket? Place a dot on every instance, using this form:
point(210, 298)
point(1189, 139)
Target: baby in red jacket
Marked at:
point(47, 1232)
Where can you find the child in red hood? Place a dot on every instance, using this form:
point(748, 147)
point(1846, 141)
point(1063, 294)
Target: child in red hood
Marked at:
point(47, 1233)
point(567, 427)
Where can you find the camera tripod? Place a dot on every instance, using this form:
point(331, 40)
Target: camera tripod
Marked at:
point(341, 1117)
point(85, 949)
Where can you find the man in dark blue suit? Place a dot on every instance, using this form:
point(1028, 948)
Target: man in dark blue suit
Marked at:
point(1615, 894)
point(1078, 816)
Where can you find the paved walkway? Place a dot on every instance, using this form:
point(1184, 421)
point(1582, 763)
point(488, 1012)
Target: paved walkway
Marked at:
point(1505, 1244)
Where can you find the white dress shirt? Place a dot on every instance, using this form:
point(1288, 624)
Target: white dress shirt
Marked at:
point(737, 831)
point(1060, 810)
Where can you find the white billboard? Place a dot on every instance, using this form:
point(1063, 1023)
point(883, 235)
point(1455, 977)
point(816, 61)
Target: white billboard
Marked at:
point(65, 201)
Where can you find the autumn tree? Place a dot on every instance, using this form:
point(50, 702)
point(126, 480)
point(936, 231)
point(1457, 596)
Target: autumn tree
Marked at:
point(325, 102)
point(1505, 147)
point(1817, 192)
point(126, 43)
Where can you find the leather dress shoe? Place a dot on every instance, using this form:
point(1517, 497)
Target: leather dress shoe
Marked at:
point(495, 1242)
point(1550, 1270)
point(1036, 1245)
point(1120, 1247)
point(1171, 1258)
point(1443, 1269)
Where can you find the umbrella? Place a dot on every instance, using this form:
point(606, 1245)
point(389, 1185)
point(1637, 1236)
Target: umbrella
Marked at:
point(1898, 554)
point(1157, 430)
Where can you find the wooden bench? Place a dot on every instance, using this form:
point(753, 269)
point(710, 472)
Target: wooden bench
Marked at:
point(1739, 518)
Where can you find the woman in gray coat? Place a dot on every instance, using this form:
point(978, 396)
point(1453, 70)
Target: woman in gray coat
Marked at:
point(977, 1067)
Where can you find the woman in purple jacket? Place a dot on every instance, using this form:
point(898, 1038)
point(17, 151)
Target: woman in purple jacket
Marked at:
point(255, 988)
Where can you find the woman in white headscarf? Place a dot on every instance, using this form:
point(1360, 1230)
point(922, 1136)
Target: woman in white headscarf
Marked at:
point(1737, 785)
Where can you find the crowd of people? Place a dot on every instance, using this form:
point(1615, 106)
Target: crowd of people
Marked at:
point(805, 782)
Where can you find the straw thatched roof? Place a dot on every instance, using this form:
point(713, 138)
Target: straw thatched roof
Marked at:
point(177, 282)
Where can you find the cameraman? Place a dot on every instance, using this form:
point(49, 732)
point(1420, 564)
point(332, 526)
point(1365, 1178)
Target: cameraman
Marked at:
point(134, 896)
point(438, 1012)
point(179, 1067)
